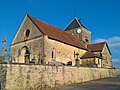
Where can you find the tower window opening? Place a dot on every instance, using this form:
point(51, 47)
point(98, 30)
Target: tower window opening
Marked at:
point(86, 40)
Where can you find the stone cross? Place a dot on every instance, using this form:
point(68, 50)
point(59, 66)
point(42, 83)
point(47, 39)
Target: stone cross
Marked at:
point(4, 51)
point(77, 63)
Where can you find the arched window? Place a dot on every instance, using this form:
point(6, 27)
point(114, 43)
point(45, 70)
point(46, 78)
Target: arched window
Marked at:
point(86, 40)
point(27, 33)
point(52, 54)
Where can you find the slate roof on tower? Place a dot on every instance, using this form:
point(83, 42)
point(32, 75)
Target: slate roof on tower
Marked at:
point(56, 33)
point(75, 23)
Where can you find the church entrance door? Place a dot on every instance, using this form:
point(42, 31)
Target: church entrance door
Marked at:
point(25, 55)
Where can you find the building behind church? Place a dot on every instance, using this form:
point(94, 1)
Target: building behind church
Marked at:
point(37, 42)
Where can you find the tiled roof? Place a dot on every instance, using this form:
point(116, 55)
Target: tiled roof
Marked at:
point(89, 54)
point(56, 33)
point(96, 47)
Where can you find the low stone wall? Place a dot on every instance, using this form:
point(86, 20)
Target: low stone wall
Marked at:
point(38, 77)
point(3, 74)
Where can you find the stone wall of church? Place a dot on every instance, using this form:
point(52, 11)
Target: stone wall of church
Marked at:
point(107, 57)
point(34, 42)
point(88, 62)
point(35, 47)
point(38, 77)
point(27, 24)
point(62, 52)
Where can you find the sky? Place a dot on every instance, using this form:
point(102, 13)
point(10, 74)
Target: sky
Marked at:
point(101, 17)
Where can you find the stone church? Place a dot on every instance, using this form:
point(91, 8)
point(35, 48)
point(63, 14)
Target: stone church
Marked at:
point(37, 42)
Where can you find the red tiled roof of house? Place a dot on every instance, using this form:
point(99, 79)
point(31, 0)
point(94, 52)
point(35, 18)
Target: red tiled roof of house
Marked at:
point(96, 47)
point(89, 54)
point(56, 33)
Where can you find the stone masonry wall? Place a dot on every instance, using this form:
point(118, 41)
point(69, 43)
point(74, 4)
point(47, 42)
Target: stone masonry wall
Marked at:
point(63, 52)
point(34, 42)
point(39, 77)
point(3, 74)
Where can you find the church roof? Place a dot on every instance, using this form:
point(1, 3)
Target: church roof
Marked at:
point(89, 54)
point(56, 33)
point(97, 47)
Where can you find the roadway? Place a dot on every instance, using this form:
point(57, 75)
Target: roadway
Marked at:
point(101, 84)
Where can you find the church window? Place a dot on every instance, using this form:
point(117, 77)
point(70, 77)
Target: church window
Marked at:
point(27, 33)
point(86, 40)
point(74, 54)
point(52, 54)
point(98, 61)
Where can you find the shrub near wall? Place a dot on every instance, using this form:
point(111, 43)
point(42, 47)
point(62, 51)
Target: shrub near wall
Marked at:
point(39, 77)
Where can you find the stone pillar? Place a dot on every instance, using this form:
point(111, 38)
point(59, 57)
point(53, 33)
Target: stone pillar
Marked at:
point(4, 58)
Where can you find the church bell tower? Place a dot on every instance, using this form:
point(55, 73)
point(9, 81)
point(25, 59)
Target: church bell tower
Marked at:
point(77, 29)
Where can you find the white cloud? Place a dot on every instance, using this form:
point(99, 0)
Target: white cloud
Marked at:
point(99, 40)
point(116, 61)
point(113, 43)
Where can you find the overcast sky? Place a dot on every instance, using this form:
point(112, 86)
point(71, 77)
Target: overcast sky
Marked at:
point(101, 17)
